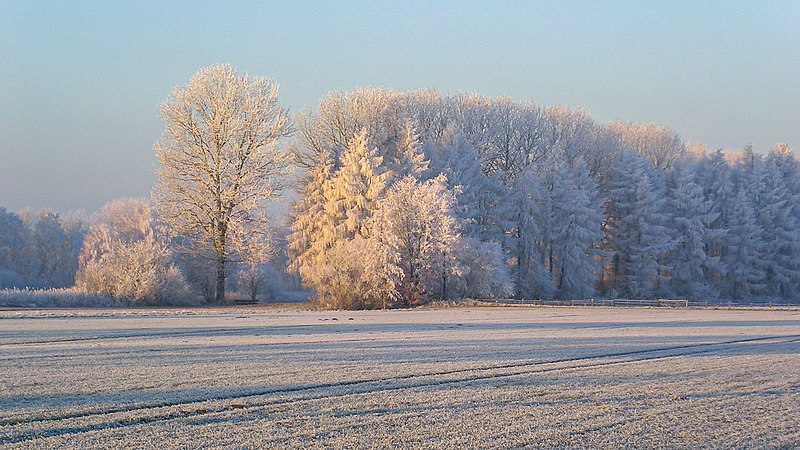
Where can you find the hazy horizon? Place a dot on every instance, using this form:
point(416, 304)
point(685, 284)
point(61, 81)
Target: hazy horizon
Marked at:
point(81, 84)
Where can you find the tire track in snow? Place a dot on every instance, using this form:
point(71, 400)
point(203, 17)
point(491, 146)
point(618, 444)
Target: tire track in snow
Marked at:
point(472, 375)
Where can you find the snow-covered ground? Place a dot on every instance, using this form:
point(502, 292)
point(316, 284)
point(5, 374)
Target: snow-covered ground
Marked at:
point(440, 378)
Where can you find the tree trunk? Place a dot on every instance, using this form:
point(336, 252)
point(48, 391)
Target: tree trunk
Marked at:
point(444, 285)
point(220, 297)
point(255, 284)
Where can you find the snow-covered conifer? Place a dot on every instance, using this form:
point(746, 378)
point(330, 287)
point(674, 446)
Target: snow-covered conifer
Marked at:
point(481, 201)
point(355, 188)
point(312, 228)
point(690, 226)
point(575, 231)
point(742, 251)
point(780, 235)
point(636, 235)
point(533, 211)
point(409, 157)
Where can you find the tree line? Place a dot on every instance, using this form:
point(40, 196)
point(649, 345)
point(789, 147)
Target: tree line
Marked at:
point(556, 205)
point(405, 197)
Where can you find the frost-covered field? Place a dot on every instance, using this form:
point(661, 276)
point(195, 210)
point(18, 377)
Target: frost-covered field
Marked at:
point(448, 378)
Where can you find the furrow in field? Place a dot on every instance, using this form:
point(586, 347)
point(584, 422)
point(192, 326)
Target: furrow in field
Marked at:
point(204, 406)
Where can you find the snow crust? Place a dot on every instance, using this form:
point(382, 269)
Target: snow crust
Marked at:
point(438, 378)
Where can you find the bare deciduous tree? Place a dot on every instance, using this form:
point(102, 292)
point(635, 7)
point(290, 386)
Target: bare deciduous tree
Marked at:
point(220, 165)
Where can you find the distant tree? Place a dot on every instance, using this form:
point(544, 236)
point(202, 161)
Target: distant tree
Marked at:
point(126, 255)
point(12, 250)
point(252, 280)
point(659, 145)
point(219, 164)
point(50, 250)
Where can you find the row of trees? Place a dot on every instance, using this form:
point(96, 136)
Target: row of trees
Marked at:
point(557, 205)
point(39, 249)
point(406, 197)
point(124, 251)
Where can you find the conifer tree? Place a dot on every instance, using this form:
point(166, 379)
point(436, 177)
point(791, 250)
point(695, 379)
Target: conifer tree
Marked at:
point(356, 188)
point(409, 157)
point(533, 207)
point(635, 228)
point(743, 247)
point(780, 236)
point(312, 229)
point(577, 218)
point(690, 226)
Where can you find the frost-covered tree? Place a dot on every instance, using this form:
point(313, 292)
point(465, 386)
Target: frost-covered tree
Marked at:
point(417, 225)
point(575, 233)
point(335, 208)
point(635, 228)
point(409, 156)
point(480, 271)
point(50, 247)
point(787, 166)
point(533, 212)
point(219, 165)
point(713, 174)
point(253, 279)
point(312, 227)
point(737, 240)
point(690, 225)
point(12, 250)
point(39, 249)
point(659, 145)
point(358, 273)
point(481, 200)
point(356, 188)
point(126, 255)
point(328, 131)
point(743, 248)
point(775, 207)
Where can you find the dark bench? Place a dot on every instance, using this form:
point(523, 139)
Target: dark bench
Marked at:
point(244, 301)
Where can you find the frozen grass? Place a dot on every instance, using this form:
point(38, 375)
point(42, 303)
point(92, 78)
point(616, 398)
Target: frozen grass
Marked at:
point(75, 298)
point(436, 378)
point(54, 298)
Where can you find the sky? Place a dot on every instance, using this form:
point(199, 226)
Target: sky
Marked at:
point(81, 82)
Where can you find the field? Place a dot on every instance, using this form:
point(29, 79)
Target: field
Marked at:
point(469, 377)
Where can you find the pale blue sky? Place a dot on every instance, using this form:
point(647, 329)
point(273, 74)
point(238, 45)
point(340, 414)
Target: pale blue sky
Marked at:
point(81, 82)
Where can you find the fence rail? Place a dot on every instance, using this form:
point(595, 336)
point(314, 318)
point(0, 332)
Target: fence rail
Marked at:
point(653, 303)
